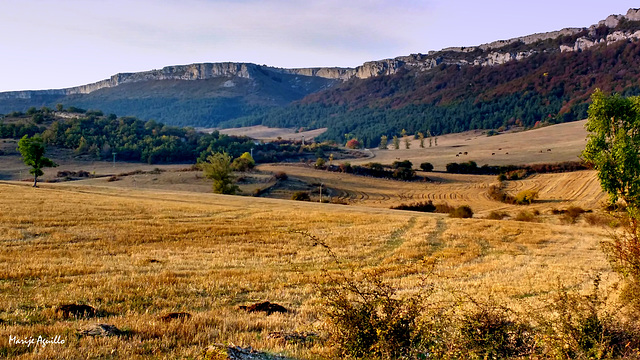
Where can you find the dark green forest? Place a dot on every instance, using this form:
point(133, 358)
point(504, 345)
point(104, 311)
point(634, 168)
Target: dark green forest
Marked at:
point(98, 136)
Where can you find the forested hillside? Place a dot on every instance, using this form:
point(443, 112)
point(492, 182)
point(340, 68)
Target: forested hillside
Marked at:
point(95, 135)
point(200, 103)
point(546, 87)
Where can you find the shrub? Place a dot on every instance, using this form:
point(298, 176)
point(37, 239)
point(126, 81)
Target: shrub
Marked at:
point(353, 144)
point(374, 166)
point(301, 196)
point(402, 164)
point(320, 163)
point(525, 216)
point(243, 163)
point(367, 319)
point(516, 174)
point(579, 327)
point(497, 215)
point(426, 166)
point(280, 175)
point(526, 197)
point(345, 167)
point(495, 192)
point(444, 208)
point(488, 333)
point(599, 220)
point(463, 212)
point(426, 206)
point(403, 173)
point(572, 213)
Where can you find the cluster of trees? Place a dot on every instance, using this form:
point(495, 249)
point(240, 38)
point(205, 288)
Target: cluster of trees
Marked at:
point(471, 167)
point(99, 136)
point(137, 140)
point(399, 170)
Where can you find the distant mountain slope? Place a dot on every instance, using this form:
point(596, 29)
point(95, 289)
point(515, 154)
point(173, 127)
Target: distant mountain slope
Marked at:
point(195, 95)
point(550, 83)
point(537, 78)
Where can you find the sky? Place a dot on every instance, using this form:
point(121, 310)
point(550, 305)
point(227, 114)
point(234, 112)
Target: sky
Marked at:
point(52, 44)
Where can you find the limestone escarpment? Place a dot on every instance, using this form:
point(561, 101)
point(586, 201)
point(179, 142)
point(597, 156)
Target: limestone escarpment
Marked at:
point(200, 71)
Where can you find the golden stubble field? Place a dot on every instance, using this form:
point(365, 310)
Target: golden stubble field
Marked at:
point(138, 254)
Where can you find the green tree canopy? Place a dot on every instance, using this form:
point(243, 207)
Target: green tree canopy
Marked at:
point(32, 151)
point(613, 147)
point(218, 168)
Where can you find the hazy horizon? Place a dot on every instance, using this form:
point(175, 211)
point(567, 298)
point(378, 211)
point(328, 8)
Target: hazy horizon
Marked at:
point(66, 43)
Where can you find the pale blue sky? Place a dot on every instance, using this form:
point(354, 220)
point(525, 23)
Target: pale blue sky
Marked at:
point(48, 44)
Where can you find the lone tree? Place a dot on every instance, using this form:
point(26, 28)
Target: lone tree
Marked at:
point(218, 168)
point(396, 142)
point(32, 151)
point(421, 137)
point(613, 148)
point(383, 143)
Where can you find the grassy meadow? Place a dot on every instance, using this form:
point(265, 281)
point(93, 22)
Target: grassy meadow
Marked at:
point(138, 254)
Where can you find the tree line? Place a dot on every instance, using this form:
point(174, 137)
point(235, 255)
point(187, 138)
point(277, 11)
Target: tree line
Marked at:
point(94, 134)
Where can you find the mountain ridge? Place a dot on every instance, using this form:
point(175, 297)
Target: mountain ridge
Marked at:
point(201, 71)
point(232, 94)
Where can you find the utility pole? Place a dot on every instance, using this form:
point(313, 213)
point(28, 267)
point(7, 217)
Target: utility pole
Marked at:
point(114, 158)
point(321, 191)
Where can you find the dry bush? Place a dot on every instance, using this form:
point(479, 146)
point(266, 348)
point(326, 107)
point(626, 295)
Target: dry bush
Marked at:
point(497, 215)
point(490, 332)
point(600, 220)
point(443, 208)
point(574, 326)
point(623, 251)
point(367, 318)
point(462, 211)
point(570, 216)
point(425, 206)
point(301, 196)
point(525, 216)
point(280, 175)
point(495, 192)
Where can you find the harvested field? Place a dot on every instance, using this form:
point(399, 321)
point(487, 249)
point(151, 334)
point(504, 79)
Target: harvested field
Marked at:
point(580, 188)
point(135, 255)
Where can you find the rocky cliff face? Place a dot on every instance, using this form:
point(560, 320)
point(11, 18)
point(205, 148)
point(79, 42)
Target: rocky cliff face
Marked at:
point(490, 54)
point(187, 72)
